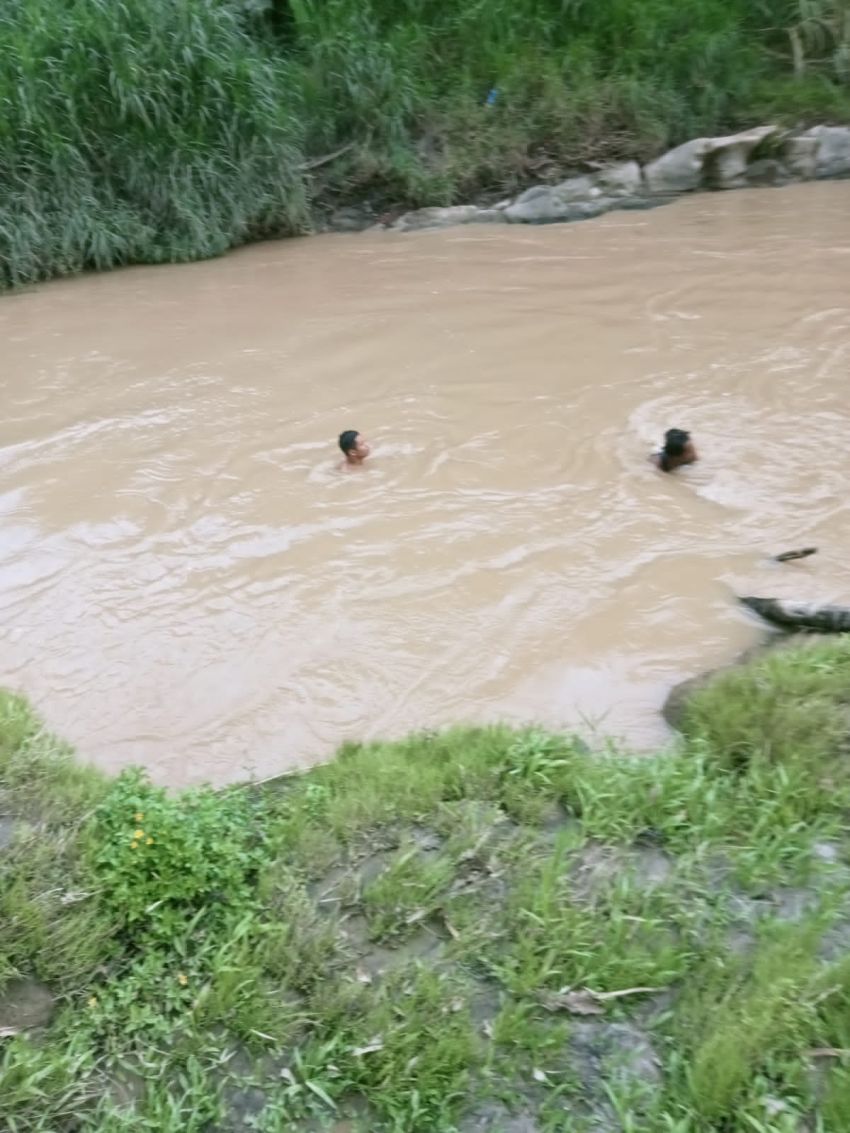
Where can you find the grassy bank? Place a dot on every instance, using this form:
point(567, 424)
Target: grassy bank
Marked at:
point(163, 130)
point(478, 930)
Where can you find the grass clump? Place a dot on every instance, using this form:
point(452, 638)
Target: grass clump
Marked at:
point(170, 130)
point(444, 931)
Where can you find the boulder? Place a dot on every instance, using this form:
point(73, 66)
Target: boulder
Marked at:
point(578, 198)
point(716, 163)
point(800, 154)
point(727, 158)
point(624, 180)
point(546, 205)
point(679, 170)
point(446, 217)
point(833, 150)
point(767, 171)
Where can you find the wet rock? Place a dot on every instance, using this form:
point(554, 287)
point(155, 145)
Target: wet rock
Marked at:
point(447, 217)
point(546, 205)
point(718, 163)
point(767, 171)
point(679, 170)
point(800, 155)
point(833, 150)
point(625, 180)
point(728, 158)
point(578, 198)
point(24, 1005)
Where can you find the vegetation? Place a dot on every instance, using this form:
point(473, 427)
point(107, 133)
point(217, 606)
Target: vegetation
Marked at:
point(165, 130)
point(447, 933)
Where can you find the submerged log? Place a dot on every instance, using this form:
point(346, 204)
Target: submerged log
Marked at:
point(801, 615)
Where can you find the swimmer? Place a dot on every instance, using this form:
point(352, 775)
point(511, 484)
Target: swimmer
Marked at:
point(354, 448)
point(678, 449)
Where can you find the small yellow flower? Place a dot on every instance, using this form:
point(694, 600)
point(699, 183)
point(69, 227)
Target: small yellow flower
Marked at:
point(182, 979)
point(93, 1001)
point(134, 845)
point(150, 841)
point(139, 834)
point(140, 817)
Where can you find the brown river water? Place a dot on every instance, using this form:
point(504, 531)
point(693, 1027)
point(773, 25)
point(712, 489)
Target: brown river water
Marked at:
point(189, 583)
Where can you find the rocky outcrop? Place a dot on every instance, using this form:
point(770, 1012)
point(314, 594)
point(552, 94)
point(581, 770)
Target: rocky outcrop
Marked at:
point(765, 155)
point(710, 163)
point(448, 217)
point(579, 197)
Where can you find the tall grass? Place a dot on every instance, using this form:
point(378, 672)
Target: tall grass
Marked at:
point(136, 130)
point(163, 130)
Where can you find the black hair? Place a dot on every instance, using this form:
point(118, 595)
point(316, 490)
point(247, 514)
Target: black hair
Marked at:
point(674, 445)
point(348, 440)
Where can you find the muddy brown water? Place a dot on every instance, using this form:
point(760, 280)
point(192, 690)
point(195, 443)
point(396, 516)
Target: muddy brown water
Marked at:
point(187, 581)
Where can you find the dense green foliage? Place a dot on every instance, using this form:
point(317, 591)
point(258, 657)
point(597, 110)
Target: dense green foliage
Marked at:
point(387, 941)
point(164, 130)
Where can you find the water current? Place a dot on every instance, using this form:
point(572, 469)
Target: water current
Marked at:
point(187, 580)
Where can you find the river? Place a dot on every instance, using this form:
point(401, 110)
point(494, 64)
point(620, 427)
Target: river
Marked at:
point(189, 583)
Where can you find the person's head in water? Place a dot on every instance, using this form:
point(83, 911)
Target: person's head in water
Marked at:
point(678, 449)
point(354, 448)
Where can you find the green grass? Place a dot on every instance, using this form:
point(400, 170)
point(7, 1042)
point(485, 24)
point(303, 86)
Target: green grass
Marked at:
point(165, 130)
point(389, 939)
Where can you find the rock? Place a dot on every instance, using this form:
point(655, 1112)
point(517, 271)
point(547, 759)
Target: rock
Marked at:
point(446, 217)
point(767, 171)
point(800, 155)
point(833, 150)
point(728, 158)
point(25, 1004)
point(547, 206)
point(679, 170)
point(577, 198)
point(625, 180)
point(716, 163)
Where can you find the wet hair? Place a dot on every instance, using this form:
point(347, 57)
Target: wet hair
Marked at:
point(674, 445)
point(348, 440)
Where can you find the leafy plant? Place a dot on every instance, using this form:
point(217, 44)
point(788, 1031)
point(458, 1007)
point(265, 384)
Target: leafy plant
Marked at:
point(166, 861)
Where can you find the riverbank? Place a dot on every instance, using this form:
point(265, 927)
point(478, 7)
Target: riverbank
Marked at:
point(476, 930)
point(161, 132)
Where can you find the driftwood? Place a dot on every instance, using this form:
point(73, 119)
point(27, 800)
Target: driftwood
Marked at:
point(801, 615)
point(789, 556)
